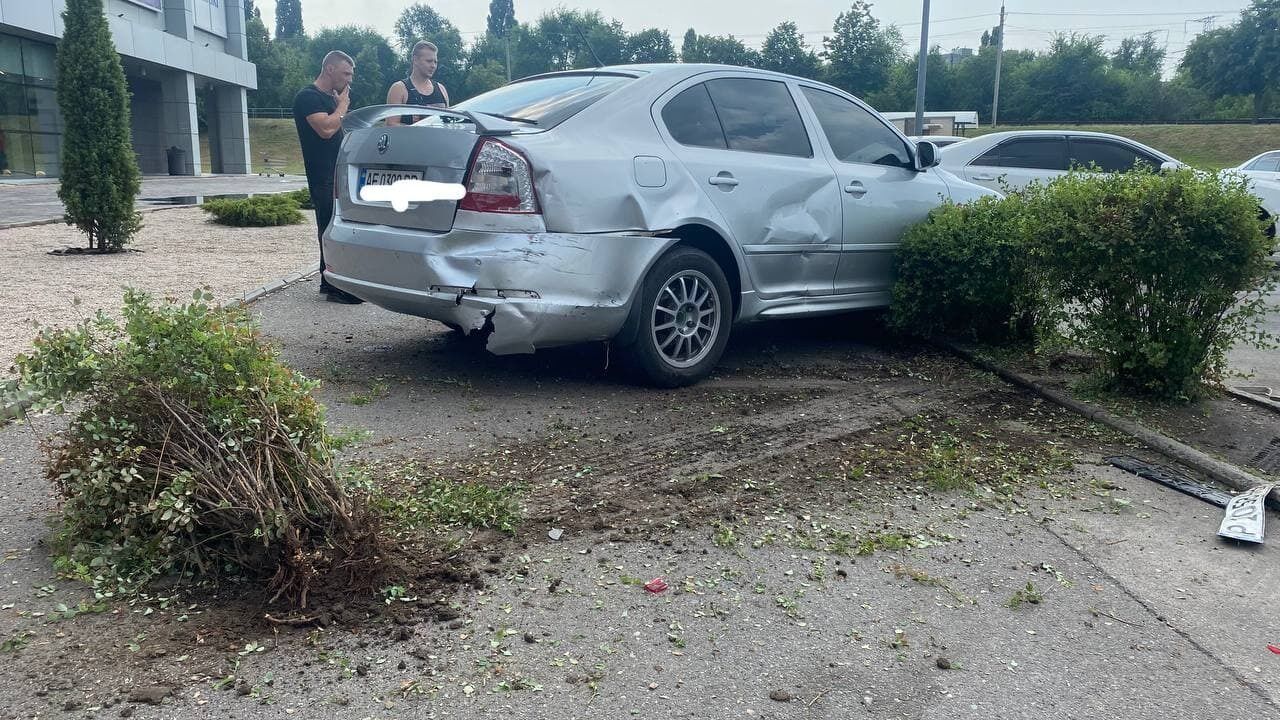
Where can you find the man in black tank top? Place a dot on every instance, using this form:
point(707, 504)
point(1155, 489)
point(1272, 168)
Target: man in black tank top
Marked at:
point(419, 88)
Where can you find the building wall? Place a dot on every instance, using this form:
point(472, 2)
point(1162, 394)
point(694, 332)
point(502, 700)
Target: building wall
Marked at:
point(171, 50)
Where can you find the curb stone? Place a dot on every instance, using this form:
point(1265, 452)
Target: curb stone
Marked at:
point(1252, 398)
point(14, 402)
point(1175, 450)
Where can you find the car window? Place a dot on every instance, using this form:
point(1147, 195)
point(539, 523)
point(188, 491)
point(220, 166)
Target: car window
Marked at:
point(1048, 153)
point(691, 119)
point(547, 101)
point(856, 135)
point(1108, 156)
point(1266, 163)
point(759, 116)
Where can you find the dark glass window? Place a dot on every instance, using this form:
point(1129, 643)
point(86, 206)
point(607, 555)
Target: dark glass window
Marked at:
point(856, 136)
point(759, 116)
point(691, 119)
point(1048, 153)
point(1108, 156)
point(547, 101)
point(1266, 163)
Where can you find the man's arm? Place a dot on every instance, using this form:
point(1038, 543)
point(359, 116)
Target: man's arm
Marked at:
point(445, 91)
point(397, 95)
point(326, 124)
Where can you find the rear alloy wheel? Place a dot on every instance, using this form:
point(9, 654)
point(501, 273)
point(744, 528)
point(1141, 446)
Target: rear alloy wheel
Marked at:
point(685, 316)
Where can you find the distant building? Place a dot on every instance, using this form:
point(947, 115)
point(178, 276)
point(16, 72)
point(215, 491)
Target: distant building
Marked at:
point(957, 55)
point(952, 122)
point(172, 50)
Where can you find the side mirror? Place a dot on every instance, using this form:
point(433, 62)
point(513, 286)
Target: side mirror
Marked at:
point(1169, 166)
point(926, 155)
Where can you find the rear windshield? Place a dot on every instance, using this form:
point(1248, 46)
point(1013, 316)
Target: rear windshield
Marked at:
point(546, 101)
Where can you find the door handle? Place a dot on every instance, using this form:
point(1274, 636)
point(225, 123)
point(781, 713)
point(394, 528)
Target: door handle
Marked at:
point(723, 181)
point(856, 189)
point(984, 178)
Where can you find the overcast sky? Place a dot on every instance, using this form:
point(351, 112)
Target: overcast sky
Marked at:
point(953, 23)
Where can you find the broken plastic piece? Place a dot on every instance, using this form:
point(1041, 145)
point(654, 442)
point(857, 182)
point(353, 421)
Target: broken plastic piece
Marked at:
point(1171, 479)
point(656, 585)
point(555, 533)
point(1274, 649)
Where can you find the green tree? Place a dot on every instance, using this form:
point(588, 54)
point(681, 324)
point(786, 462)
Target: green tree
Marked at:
point(1070, 81)
point(1140, 55)
point(289, 21)
point(567, 39)
point(250, 10)
point(899, 93)
point(420, 22)
point(99, 171)
point(726, 50)
point(650, 46)
point(860, 53)
point(502, 17)
point(1243, 59)
point(785, 51)
point(377, 63)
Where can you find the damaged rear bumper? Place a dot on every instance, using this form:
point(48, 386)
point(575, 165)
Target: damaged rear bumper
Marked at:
point(539, 290)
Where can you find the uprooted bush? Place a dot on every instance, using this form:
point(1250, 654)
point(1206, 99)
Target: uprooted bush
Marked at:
point(966, 271)
point(256, 211)
point(1156, 274)
point(195, 451)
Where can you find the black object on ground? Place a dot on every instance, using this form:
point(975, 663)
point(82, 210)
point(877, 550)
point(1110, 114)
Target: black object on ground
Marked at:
point(1171, 479)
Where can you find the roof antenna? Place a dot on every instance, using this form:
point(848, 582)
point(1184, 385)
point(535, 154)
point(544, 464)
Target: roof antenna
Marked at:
point(592, 50)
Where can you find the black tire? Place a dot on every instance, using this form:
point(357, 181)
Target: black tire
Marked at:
point(652, 353)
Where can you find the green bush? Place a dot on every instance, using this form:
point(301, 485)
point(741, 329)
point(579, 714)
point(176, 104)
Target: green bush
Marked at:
point(257, 211)
point(1157, 274)
point(99, 177)
point(196, 451)
point(302, 198)
point(965, 272)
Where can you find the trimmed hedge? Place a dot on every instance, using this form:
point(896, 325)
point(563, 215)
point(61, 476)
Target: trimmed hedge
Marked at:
point(1156, 274)
point(257, 211)
point(965, 271)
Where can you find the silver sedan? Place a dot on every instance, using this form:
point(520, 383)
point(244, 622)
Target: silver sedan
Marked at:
point(651, 206)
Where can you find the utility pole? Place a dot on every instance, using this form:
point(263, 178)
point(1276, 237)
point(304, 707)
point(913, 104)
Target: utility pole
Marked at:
point(923, 69)
point(995, 100)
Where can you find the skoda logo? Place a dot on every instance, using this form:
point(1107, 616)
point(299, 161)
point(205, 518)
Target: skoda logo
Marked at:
point(383, 143)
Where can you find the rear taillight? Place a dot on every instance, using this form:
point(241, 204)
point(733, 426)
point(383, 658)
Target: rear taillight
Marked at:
point(500, 180)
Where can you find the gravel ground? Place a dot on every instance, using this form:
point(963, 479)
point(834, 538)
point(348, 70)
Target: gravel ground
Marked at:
point(180, 251)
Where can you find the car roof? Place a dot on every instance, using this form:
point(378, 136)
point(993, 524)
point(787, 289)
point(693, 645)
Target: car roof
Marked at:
point(672, 71)
point(992, 139)
point(1259, 156)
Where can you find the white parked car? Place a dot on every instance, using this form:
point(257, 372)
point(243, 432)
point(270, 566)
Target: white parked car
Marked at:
point(1263, 167)
point(939, 140)
point(653, 206)
point(1014, 159)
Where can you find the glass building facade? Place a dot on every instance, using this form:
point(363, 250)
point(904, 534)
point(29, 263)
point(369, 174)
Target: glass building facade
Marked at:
point(30, 123)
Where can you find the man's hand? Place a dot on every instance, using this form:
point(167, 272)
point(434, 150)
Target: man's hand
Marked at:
point(344, 100)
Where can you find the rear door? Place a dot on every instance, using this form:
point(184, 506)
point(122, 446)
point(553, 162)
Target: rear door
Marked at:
point(1019, 161)
point(881, 192)
point(1109, 156)
point(744, 142)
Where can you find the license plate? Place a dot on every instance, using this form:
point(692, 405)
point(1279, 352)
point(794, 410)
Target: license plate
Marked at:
point(1246, 515)
point(370, 176)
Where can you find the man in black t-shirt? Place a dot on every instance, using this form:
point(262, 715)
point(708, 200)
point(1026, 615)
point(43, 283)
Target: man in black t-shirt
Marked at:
point(318, 110)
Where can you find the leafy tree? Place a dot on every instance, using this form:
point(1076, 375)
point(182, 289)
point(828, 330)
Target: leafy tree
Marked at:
point(1072, 79)
point(1243, 59)
point(502, 17)
point(566, 39)
point(420, 22)
point(726, 50)
point(650, 46)
point(250, 10)
point(377, 63)
point(99, 171)
point(785, 51)
point(1140, 55)
point(899, 93)
point(860, 53)
point(289, 21)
